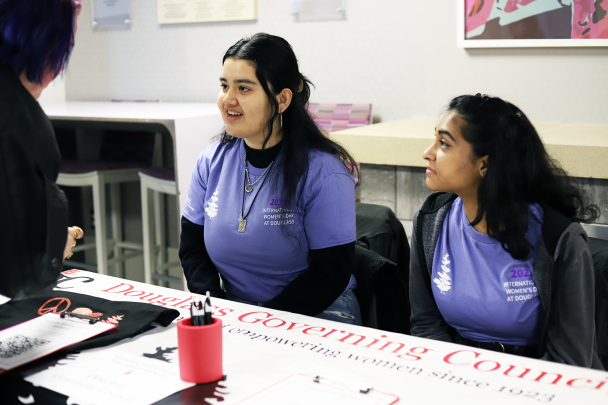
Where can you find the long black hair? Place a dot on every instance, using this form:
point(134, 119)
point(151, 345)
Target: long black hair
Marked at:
point(519, 172)
point(276, 68)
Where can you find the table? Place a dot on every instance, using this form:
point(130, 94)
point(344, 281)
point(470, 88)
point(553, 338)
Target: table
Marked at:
point(190, 125)
point(264, 346)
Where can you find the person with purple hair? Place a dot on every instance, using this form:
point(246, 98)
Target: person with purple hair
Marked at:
point(36, 39)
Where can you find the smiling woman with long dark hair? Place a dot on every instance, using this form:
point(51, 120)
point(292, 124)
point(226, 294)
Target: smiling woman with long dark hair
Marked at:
point(499, 260)
point(271, 206)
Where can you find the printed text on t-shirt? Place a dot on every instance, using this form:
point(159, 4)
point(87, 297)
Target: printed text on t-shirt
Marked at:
point(278, 216)
point(279, 201)
point(523, 291)
point(520, 273)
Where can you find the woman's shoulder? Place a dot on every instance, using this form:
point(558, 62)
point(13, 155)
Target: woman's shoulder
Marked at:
point(325, 164)
point(554, 227)
point(18, 108)
point(436, 200)
point(217, 150)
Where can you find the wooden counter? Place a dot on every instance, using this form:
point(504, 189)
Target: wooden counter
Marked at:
point(582, 150)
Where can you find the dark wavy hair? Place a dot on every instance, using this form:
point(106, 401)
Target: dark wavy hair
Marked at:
point(36, 36)
point(276, 67)
point(519, 172)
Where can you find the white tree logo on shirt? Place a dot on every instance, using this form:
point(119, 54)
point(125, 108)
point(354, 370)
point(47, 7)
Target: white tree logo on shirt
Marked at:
point(212, 207)
point(443, 282)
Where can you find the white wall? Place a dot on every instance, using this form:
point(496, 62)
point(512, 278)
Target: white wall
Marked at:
point(400, 55)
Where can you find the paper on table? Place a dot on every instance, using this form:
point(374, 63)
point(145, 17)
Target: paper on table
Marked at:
point(139, 372)
point(301, 389)
point(44, 335)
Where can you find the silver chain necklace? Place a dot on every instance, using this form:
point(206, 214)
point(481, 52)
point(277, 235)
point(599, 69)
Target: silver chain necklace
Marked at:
point(249, 185)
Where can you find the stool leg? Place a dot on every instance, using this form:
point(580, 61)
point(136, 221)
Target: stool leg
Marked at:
point(116, 210)
point(147, 230)
point(159, 230)
point(99, 208)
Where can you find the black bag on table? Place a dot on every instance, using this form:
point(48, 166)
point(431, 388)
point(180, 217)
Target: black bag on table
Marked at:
point(130, 317)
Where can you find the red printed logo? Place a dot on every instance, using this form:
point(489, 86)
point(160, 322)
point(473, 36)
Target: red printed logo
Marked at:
point(61, 301)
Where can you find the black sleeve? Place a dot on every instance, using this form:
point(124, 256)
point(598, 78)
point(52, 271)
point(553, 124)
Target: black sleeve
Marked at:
point(426, 319)
point(321, 284)
point(33, 210)
point(571, 332)
point(201, 274)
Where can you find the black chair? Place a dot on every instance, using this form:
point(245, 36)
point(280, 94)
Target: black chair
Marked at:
point(382, 260)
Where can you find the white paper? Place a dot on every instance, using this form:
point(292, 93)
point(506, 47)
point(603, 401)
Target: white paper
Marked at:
point(139, 372)
point(302, 390)
point(44, 335)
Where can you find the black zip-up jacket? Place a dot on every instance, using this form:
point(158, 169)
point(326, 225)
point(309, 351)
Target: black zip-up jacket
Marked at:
point(563, 274)
point(33, 210)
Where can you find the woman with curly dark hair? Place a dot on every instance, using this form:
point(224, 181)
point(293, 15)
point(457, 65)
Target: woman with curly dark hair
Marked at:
point(499, 260)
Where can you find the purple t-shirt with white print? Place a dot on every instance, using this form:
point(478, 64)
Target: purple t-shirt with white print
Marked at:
point(481, 291)
point(257, 264)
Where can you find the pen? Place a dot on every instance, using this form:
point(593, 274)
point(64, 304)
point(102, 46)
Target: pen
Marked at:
point(199, 313)
point(207, 311)
point(193, 313)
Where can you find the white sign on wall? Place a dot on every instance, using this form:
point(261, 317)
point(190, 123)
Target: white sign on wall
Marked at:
point(193, 11)
point(317, 10)
point(107, 13)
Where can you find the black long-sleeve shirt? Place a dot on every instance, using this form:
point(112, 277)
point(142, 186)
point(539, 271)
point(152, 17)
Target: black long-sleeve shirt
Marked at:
point(33, 210)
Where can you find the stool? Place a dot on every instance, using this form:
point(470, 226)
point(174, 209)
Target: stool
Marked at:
point(121, 156)
point(97, 179)
point(155, 181)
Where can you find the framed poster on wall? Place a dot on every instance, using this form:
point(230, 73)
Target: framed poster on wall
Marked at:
point(202, 11)
point(532, 23)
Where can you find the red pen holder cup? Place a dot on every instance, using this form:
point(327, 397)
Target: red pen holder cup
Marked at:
point(200, 351)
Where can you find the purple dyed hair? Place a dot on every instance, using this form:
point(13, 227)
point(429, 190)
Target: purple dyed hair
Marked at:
point(36, 36)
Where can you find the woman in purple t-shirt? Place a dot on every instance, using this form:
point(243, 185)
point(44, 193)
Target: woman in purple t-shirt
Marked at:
point(499, 260)
point(271, 205)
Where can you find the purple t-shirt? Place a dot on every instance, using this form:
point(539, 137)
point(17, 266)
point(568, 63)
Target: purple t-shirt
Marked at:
point(257, 264)
point(481, 291)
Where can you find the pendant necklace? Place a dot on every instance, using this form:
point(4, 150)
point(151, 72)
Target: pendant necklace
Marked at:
point(249, 185)
point(248, 188)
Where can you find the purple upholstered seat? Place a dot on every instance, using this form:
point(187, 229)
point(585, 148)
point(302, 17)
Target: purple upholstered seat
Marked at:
point(159, 173)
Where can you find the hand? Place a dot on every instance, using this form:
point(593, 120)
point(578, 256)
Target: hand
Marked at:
point(74, 233)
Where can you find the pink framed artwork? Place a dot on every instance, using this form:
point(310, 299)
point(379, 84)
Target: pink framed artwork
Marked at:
point(532, 23)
